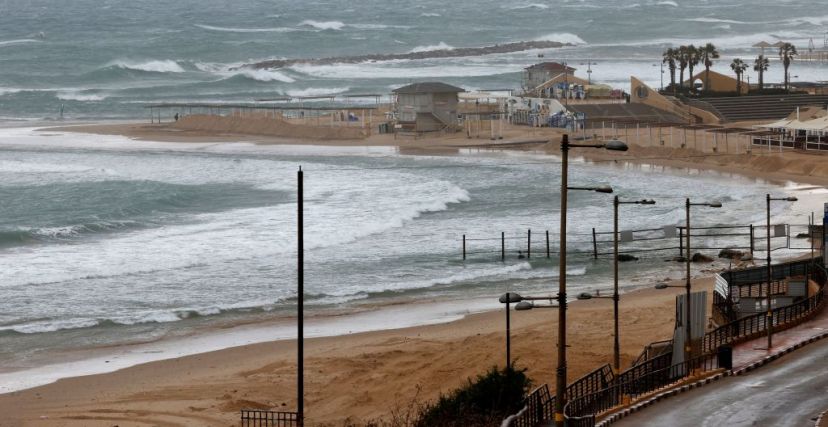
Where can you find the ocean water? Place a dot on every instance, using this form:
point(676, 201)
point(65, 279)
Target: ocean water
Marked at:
point(104, 240)
point(108, 59)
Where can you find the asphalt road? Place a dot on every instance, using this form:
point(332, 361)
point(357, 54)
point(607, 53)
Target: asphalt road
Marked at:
point(790, 391)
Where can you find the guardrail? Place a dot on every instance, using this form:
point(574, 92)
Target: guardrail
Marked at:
point(262, 418)
point(652, 375)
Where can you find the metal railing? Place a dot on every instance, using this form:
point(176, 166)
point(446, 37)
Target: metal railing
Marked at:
point(583, 410)
point(262, 418)
point(657, 373)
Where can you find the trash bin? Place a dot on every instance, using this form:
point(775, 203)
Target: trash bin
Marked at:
point(725, 357)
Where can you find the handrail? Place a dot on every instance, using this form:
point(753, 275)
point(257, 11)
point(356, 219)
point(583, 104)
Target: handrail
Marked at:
point(648, 376)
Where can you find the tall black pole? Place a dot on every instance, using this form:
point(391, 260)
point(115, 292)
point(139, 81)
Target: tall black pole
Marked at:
point(508, 332)
point(300, 336)
point(560, 386)
point(616, 356)
point(769, 320)
point(687, 345)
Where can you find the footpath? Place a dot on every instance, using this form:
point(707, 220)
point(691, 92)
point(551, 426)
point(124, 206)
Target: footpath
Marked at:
point(747, 356)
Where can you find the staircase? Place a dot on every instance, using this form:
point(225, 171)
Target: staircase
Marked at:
point(765, 107)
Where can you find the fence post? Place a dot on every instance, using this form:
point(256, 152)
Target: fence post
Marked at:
point(464, 247)
point(681, 241)
point(547, 244)
point(502, 246)
point(529, 244)
point(751, 240)
point(594, 244)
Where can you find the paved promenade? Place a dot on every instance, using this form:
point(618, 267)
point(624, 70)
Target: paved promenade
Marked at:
point(788, 391)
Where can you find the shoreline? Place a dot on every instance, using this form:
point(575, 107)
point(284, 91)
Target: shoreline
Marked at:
point(488, 320)
point(245, 375)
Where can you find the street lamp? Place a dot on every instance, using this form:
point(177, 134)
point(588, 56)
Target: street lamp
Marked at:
point(769, 320)
point(560, 387)
point(617, 202)
point(687, 344)
point(508, 298)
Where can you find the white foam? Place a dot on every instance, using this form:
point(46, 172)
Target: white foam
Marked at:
point(667, 3)
point(326, 25)
point(540, 6)
point(430, 14)
point(317, 91)
point(16, 42)
point(153, 66)
point(247, 30)
point(715, 20)
point(261, 75)
point(562, 38)
point(77, 96)
point(431, 48)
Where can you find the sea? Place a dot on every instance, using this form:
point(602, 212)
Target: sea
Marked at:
point(108, 59)
point(108, 244)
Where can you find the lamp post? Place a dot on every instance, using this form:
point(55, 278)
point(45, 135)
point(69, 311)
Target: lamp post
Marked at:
point(687, 344)
point(769, 320)
point(560, 384)
point(300, 294)
point(617, 344)
point(508, 298)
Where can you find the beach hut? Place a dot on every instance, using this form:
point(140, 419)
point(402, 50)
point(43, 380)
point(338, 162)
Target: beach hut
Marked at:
point(538, 74)
point(427, 107)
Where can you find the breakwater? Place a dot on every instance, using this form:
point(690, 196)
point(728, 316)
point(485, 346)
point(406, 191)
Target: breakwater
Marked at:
point(430, 54)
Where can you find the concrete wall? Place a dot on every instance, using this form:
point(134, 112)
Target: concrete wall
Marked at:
point(718, 82)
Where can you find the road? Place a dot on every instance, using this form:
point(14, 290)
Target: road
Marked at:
point(787, 392)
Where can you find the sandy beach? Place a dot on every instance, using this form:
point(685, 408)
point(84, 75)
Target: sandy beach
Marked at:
point(357, 377)
point(362, 377)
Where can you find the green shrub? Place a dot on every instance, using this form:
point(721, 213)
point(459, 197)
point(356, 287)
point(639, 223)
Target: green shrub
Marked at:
point(486, 401)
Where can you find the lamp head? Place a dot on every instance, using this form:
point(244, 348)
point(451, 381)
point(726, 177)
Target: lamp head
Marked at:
point(647, 202)
point(584, 296)
point(510, 297)
point(715, 204)
point(616, 145)
point(791, 199)
point(661, 286)
point(524, 305)
point(603, 189)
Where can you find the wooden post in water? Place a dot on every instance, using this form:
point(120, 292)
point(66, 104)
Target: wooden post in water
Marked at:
point(464, 247)
point(681, 241)
point(751, 240)
point(502, 246)
point(529, 244)
point(594, 244)
point(547, 245)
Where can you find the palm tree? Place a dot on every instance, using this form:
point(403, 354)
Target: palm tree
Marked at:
point(692, 53)
point(669, 58)
point(707, 54)
point(787, 52)
point(738, 66)
point(682, 57)
point(760, 66)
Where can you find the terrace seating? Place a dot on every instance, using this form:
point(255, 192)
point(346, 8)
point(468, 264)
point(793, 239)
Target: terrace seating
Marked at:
point(765, 107)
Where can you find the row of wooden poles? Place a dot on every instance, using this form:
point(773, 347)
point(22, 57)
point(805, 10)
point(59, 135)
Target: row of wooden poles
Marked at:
point(595, 234)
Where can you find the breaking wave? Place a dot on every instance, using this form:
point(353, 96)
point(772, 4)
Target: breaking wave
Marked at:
point(152, 66)
point(246, 30)
point(562, 38)
point(431, 48)
point(326, 25)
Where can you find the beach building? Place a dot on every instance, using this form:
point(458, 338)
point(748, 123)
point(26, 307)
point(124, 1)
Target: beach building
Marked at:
point(538, 74)
point(718, 82)
point(427, 107)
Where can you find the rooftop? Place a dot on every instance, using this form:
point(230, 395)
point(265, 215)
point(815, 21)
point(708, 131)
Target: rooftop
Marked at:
point(428, 87)
point(551, 66)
